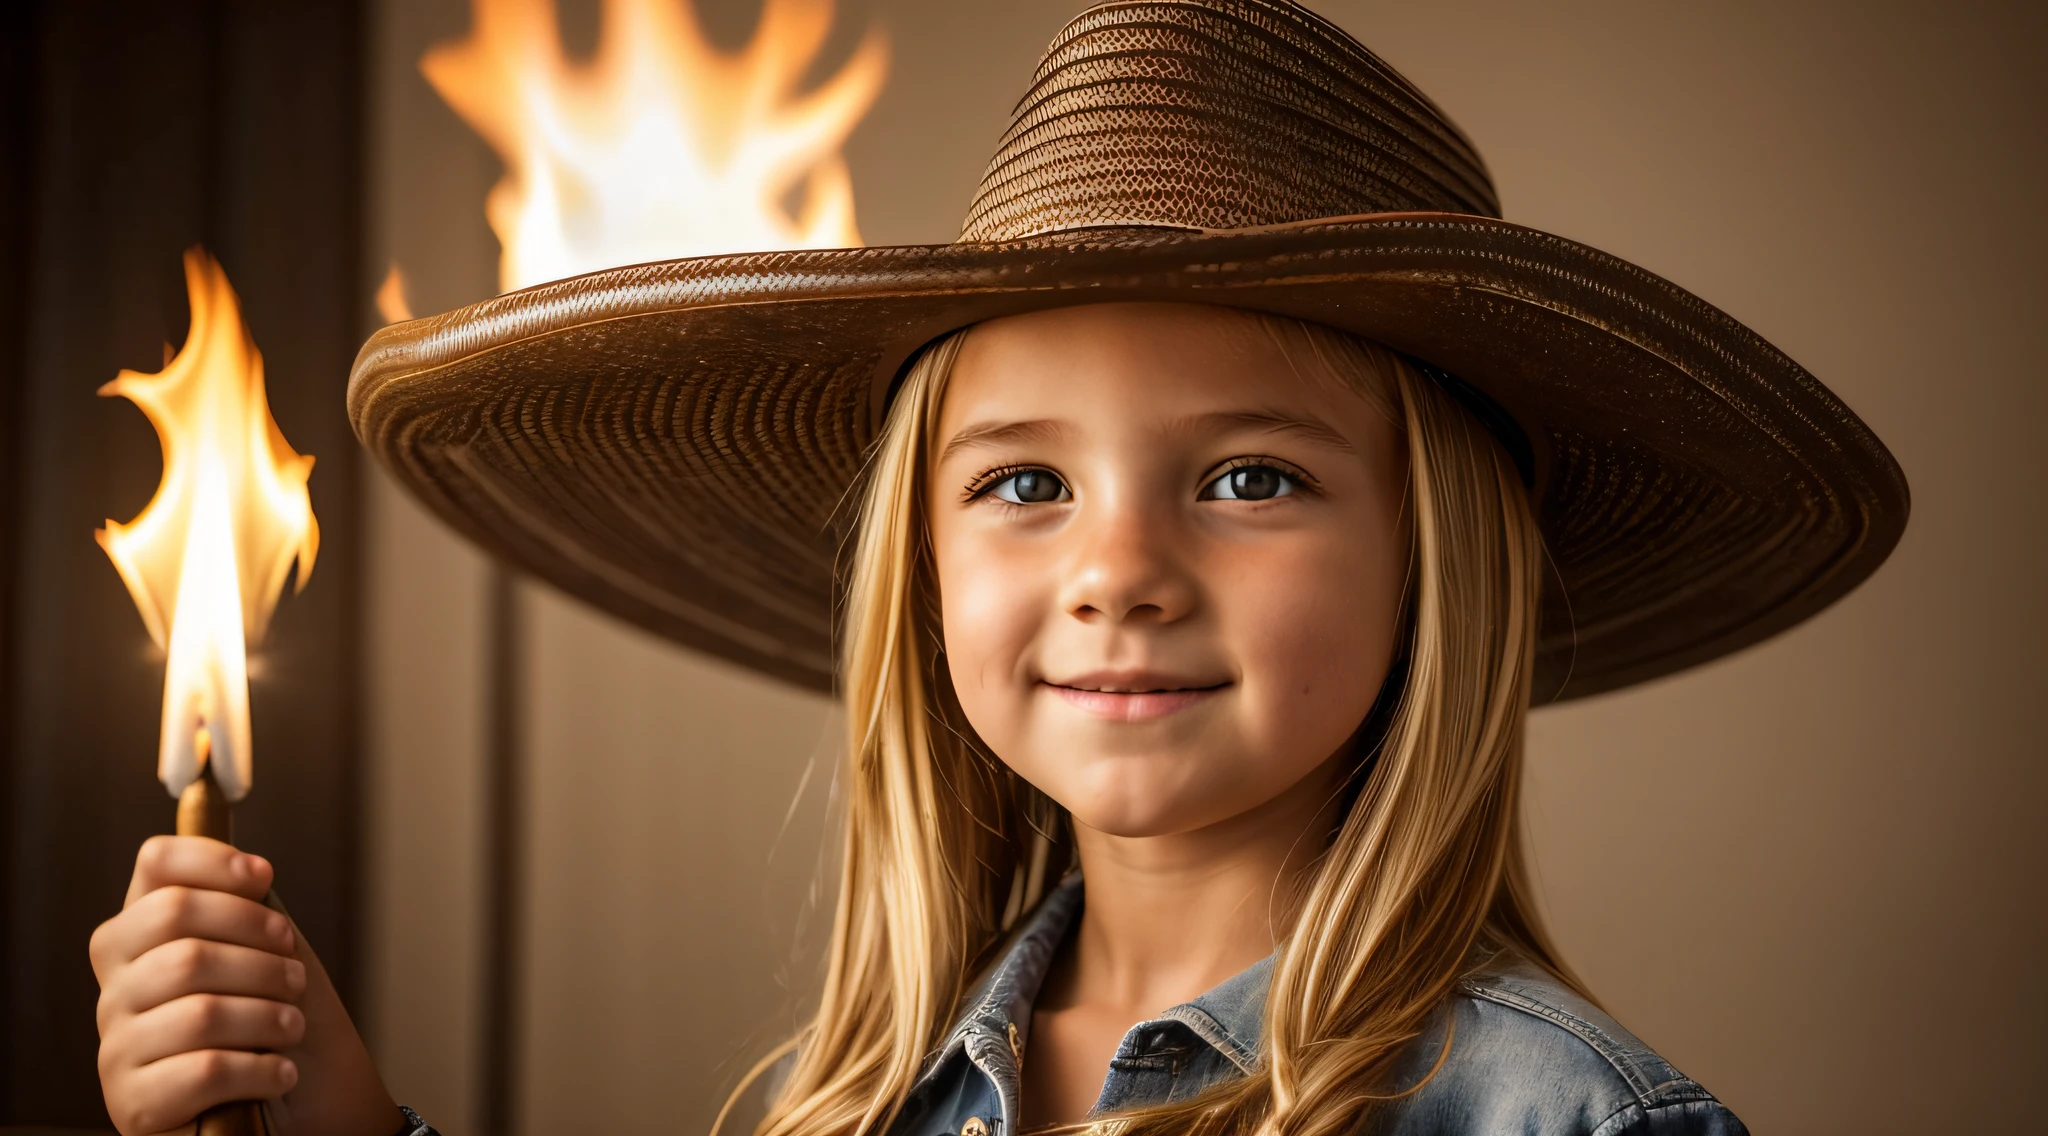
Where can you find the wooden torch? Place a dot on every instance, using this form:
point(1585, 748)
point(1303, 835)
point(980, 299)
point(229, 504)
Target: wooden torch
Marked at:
point(206, 560)
point(204, 810)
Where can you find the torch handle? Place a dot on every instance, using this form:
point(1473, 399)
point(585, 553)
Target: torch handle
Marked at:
point(203, 811)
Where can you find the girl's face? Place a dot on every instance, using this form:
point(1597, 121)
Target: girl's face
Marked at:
point(1169, 566)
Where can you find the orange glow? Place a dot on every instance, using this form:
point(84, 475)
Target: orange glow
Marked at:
point(661, 145)
point(206, 559)
point(391, 302)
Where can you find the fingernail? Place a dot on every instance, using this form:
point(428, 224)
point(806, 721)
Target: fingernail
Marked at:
point(295, 975)
point(279, 929)
point(243, 865)
point(289, 1073)
point(288, 1017)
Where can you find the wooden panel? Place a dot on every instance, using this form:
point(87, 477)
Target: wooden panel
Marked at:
point(156, 126)
point(18, 26)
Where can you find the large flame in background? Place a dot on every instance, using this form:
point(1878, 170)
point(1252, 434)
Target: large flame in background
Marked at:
point(661, 145)
point(206, 559)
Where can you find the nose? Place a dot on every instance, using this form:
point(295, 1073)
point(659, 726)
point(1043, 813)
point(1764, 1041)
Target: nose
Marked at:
point(1129, 564)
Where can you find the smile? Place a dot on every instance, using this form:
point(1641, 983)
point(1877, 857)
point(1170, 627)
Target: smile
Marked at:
point(1132, 699)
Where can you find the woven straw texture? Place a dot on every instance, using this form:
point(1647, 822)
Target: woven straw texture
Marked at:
point(1218, 115)
point(676, 442)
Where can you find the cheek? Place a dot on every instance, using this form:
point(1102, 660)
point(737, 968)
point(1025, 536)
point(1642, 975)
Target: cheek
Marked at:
point(992, 605)
point(1315, 644)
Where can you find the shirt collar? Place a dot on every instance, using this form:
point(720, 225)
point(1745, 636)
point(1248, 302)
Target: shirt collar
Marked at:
point(1230, 1016)
point(1004, 996)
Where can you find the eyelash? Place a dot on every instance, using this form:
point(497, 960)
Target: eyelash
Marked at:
point(987, 480)
point(1301, 477)
point(1302, 481)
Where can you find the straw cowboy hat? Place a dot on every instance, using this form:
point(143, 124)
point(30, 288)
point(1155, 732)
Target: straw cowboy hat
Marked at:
point(675, 442)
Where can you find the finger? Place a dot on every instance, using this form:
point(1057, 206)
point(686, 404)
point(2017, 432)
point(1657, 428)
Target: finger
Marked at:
point(170, 1093)
point(201, 1022)
point(169, 914)
point(198, 862)
point(195, 966)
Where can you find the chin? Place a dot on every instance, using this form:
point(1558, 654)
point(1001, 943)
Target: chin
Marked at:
point(1137, 802)
point(1128, 819)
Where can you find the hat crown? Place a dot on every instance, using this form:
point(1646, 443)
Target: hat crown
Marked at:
point(1218, 114)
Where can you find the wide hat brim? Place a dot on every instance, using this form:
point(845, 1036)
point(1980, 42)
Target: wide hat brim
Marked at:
point(676, 442)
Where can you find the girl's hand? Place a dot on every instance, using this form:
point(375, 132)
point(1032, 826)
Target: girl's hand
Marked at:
point(207, 996)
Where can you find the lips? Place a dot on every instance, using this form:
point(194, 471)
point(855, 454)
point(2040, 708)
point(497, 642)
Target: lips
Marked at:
point(1133, 696)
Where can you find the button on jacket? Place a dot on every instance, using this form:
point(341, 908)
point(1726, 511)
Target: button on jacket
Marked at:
point(1527, 1056)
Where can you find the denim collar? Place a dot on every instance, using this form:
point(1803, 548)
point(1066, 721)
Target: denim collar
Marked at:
point(995, 1022)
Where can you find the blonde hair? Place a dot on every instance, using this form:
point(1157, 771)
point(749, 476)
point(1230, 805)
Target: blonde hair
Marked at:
point(944, 846)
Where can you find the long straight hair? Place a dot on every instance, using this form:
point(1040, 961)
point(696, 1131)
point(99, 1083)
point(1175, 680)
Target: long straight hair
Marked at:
point(944, 847)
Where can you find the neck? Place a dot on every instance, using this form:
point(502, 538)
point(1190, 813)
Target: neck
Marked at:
point(1168, 917)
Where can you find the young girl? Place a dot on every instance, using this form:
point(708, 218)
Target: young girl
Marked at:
point(1189, 627)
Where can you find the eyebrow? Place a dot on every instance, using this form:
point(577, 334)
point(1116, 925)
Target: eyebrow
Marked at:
point(1308, 428)
point(982, 434)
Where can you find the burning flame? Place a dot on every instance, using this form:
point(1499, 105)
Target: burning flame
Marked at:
point(206, 559)
point(661, 146)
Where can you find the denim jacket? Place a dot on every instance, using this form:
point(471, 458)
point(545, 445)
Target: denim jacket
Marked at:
point(1527, 1056)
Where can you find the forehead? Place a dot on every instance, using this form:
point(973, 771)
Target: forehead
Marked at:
point(1108, 364)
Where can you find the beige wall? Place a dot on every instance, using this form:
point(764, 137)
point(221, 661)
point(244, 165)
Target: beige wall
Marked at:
point(1805, 873)
point(1808, 872)
point(426, 687)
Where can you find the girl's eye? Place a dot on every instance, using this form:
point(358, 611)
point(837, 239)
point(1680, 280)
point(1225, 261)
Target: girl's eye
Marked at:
point(1030, 487)
point(1249, 483)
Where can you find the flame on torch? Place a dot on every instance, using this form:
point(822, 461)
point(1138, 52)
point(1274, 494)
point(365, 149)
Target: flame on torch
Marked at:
point(206, 559)
point(661, 146)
